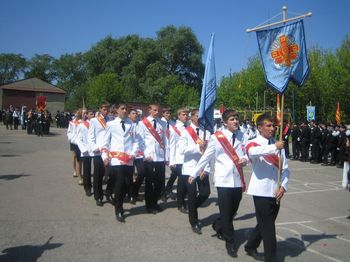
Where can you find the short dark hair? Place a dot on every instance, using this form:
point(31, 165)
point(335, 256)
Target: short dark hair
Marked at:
point(264, 117)
point(229, 113)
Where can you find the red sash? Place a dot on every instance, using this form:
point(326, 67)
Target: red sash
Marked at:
point(153, 132)
point(272, 159)
point(176, 130)
point(124, 157)
point(193, 134)
point(230, 151)
point(102, 121)
point(87, 124)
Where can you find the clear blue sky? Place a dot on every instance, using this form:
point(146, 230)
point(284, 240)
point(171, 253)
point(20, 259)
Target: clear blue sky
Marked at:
point(57, 27)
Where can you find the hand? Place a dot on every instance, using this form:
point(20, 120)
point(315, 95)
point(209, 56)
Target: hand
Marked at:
point(190, 179)
point(242, 162)
point(97, 150)
point(172, 166)
point(106, 161)
point(280, 193)
point(86, 153)
point(203, 175)
point(279, 145)
point(203, 145)
point(149, 159)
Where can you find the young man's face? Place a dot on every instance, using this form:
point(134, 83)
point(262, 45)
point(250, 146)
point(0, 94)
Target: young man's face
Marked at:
point(103, 110)
point(183, 116)
point(167, 115)
point(90, 115)
point(194, 118)
point(232, 123)
point(154, 111)
point(267, 129)
point(84, 115)
point(133, 116)
point(121, 111)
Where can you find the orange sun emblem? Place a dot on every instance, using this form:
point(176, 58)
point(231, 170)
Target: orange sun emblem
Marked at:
point(284, 51)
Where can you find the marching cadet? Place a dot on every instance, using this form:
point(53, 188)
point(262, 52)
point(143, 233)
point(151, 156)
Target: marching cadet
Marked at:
point(139, 170)
point(176, 160)
point(226, 147)
point(192, 145)
point(155, 144)
point(263, 152)
point(72, 137)
point(120, 147)
point(168, 122)
point(83, 144)
point(96, 135)
point(315, 140)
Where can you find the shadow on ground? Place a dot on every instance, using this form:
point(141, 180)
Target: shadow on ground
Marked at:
point(28, 253)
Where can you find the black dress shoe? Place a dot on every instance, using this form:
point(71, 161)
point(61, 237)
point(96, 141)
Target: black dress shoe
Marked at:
point(254, 254)
point(88, 193)
point(99, 202)
point(120, 217)
point(109, 197)
point(183, 209)
point(196, 229)
point(132, 201)
point(231, 249)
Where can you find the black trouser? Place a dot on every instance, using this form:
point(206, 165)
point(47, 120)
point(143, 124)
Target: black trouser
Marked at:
point(87, 173)
point(296, 149)
point(120, 175)
point(99, 170)
point(110, 180)
point(228, 200)
point(305, 146)
point(266, 210)
point(315, 151)
point(286, 147)
point(155, 181)
point(197, 198)
point(140, 168)
point(181, 189)
point(173, 175)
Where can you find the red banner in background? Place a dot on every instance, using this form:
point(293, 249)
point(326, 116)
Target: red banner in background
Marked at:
point(338, 114)
point(41, 103)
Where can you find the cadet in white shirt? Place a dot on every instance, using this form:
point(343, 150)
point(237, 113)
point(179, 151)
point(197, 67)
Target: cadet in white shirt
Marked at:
point(96, 135)
point(263, 152)
point(192, 145)
point(176, 160)
point(83, 144)
point(155, 144)
point(226, 146)
point(120, 147)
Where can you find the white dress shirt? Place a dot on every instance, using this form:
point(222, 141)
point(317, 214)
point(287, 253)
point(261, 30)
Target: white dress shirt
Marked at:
point(175, 155)
point(118, 140)
point(263, 181)
point(191, 150)
point(96, 135)
point(82, 138)
point(72, 131)
point(151, 146)
point(226, 173)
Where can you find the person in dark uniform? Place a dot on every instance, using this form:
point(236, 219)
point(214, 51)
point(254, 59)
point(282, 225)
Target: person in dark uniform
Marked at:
point(286, 133)
point(324, 133)
point(341, 146)
point(295, 134)
point(315, 140)
point(305, 142)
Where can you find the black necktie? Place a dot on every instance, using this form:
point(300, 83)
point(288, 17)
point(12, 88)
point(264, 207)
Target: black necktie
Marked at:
point(197, 130)
point(123, 125)
point(154, 124)
point(270, 142)
point(233, 139)
point(167, 124)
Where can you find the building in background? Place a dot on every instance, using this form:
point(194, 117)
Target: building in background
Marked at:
point(25, 93)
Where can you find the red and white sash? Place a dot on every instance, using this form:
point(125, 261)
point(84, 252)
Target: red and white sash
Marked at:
point(231, 153)
point(123, 157)
point(102, 121)
point(87, 124)
point(153, 132)
point(177, 131)
point(272, 159)
point(193, 134)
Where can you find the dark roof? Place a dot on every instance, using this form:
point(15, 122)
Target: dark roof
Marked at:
point(33, 84)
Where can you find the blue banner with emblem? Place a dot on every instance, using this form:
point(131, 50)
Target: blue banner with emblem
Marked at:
point(284, 56)
point(310, 113)
point(208, 95)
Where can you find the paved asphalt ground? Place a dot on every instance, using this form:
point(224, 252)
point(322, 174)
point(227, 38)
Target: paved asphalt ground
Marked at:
point(45, 215)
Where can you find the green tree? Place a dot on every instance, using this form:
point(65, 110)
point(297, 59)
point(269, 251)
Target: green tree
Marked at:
point(182, 96)
point(40, 66)
point(12, 67)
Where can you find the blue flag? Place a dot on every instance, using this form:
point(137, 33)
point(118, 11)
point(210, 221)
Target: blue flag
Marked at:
point(283, 54)
point(310, 113)
point(208, 96)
